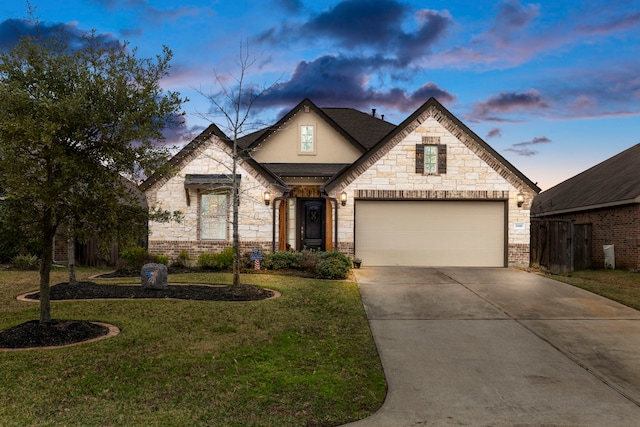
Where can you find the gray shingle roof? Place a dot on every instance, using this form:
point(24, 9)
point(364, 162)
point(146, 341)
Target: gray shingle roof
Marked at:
point(614, 181)
point(305, 169)
point(364, 128)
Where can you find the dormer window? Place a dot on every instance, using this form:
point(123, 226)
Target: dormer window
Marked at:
point(307, 140)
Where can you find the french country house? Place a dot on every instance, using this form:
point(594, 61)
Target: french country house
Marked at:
point(606, 198)
point(427, 192)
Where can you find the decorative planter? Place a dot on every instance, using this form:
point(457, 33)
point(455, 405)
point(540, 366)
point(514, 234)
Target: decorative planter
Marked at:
point(356, 264)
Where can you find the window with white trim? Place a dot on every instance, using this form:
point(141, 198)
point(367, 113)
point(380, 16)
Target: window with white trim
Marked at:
point(213, 216)
point(307, 139)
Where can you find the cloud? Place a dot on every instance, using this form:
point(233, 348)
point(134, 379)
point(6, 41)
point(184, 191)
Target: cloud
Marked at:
point(12, 30)
point(332, 81)
point(525, 152)
point(359, 22)
point(521, 32)
point(292, 6)
point(621, 23)
point(494, 133)
point(521, 150)
point(534, 141)
point(368, 25)
point(154, 14)
point(176, 133)
point(512, 17)
point(506, 102)
point(151, 13)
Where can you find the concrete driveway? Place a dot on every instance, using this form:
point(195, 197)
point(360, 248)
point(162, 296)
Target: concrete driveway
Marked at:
point(499, 347)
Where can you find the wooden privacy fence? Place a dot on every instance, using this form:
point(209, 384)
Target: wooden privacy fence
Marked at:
point(560, 246)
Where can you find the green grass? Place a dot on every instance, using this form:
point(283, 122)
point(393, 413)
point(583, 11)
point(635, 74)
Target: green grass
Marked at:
point(304, 359)
point(618, 285)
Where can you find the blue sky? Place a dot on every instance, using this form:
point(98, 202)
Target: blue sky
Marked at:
point(552, 85)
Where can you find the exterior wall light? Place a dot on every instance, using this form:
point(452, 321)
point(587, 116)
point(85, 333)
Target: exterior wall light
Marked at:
point(267, 198)
point(520, 199)
point(343, 198)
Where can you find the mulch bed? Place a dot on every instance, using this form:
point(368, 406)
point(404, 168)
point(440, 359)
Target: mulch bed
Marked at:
point(35, 334)
point(91, 290)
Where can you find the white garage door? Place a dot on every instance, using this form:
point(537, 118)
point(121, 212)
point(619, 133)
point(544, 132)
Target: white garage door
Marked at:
point(430, 233)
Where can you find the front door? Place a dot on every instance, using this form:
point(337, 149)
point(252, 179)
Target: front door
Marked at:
point(311, 224)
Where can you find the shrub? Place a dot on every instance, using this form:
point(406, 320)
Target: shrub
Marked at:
point(309, 260)
point(162, 259)
point(221, 261)
point(206, 260)
point(25, 262)
point(183, 260)
point(332, 265)
point(135, 257)
point(225, 259)
point(283, 260)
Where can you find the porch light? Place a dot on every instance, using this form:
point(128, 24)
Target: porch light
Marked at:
point(267, 198)
point(520, 199)
point(343, 198)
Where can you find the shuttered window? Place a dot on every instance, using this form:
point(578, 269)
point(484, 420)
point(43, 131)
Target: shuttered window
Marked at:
point(431, 156)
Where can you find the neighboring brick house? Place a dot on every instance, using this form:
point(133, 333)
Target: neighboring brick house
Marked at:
point(428, 192)
point(607, 196)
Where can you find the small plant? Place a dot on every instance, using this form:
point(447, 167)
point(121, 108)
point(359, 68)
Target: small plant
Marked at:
point(135, 257)
point(221, 261)
point(283, 260)
point(332, 265)
point(309, 260)
point(162, 259)
point(26, 262)
point(183, 260)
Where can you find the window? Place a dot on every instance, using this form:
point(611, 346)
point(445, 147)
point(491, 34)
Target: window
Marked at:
point(431, 159)
point(307, 145)
point(431, 156)
point(213, 216)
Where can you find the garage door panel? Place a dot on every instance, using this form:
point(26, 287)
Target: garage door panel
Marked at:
point(430, 233)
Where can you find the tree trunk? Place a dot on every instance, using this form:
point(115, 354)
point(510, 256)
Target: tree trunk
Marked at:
point(236, 204)
point(48, 234)
point(71, 254)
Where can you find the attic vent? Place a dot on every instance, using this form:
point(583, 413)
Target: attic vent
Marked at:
point(306, 108)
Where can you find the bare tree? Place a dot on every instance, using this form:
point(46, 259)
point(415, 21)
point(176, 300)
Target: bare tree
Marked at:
point(234, 103)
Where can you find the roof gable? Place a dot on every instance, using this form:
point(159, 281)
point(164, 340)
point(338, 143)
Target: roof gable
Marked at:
point(614, 181)
point(256, 138)
point(432, 108)
point(190, 151)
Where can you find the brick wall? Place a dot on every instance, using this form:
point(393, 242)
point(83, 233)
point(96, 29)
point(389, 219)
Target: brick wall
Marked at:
point(172, 248)
point(618, 226)
point(518, 255)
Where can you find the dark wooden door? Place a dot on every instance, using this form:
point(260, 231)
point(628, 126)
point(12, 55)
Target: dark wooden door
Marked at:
point(311, 224)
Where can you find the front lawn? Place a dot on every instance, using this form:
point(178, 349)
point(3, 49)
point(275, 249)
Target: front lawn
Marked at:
point(618, 285)
point(306, 358)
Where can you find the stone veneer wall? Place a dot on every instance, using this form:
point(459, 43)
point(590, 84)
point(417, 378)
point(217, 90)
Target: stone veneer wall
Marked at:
point(472, 174)
point(213, 157)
